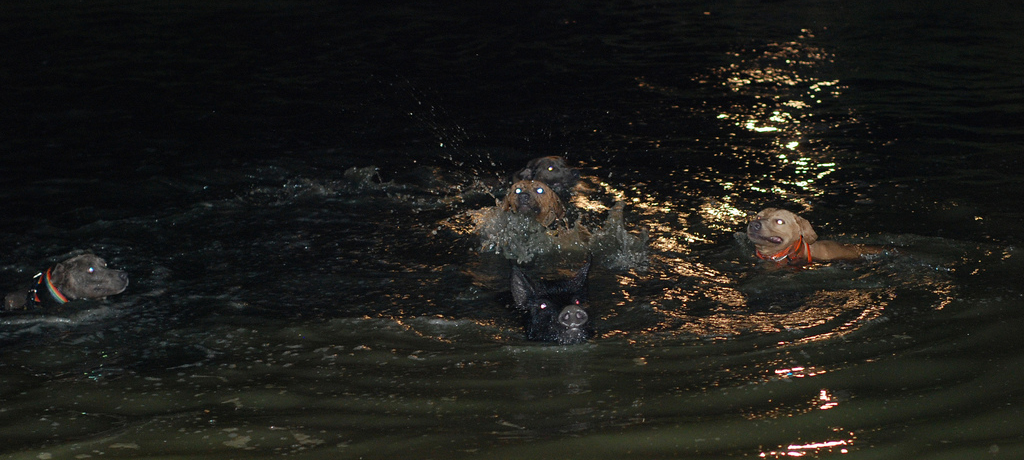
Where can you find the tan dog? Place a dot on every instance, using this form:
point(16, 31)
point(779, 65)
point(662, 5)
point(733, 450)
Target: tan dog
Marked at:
point(536, 198)
point(788, 239)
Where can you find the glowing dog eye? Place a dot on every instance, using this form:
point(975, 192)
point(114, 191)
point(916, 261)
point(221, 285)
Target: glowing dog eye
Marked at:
point(779, 221)
point(519, 190)
point(540, 190)
point(551, 168)
point(91, 269)
point(543, 306)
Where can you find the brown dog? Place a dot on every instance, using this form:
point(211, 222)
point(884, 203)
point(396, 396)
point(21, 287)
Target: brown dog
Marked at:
point(788, 239)
point(536, 198)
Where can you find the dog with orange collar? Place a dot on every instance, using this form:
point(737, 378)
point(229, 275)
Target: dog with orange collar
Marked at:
point(84, 276)
point(785, 238)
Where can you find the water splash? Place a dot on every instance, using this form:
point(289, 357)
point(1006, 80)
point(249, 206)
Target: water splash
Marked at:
point(521, 238)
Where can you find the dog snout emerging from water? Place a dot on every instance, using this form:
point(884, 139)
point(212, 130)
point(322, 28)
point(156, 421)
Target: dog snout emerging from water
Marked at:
point(555, 311)
point(573, 317)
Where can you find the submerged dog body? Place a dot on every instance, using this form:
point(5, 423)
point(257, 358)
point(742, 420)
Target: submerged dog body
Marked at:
point(85, 276)
point(788, 239)
point(556, 311)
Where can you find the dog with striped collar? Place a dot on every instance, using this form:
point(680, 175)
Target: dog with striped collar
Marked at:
point(84, 276)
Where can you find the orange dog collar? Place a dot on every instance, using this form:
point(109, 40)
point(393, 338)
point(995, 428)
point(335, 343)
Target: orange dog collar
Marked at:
point(789, 253)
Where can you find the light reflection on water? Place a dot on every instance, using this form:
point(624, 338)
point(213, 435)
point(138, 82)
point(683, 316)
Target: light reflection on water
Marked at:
point(780, 80)
point(359, 316)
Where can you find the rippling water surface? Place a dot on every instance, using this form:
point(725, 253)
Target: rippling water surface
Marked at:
point(301, 195)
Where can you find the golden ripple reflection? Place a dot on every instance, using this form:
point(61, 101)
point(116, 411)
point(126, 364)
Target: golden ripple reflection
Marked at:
point(815, 448)
point(775, 111)
point(781, 79)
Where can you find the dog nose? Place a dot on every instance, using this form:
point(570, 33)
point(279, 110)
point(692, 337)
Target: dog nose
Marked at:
point(572, 316)
point(123, 276)
point(754, 225)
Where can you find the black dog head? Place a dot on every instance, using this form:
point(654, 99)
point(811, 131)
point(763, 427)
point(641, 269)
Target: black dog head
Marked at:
point(556, 311)
point(552, 171)
point(86, 276)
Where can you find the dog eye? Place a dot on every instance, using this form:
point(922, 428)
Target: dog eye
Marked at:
point(519, 190)
point(543, 306)
point(551, 168)
point(540, 190)
point(91, 269)
point(779, 221)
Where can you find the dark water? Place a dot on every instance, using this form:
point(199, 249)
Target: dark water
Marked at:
point(292, 186)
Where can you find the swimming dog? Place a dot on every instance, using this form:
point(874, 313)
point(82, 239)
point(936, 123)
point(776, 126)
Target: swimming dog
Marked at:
point(84, 276)
point(536, 198)
point(551, 170)
point(788, 239)
point(555, 311)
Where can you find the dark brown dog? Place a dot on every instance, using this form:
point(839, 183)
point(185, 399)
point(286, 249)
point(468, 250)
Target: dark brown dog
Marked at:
point(788, 239)
point(85, 276)
point(552, 171)
point(535, 198)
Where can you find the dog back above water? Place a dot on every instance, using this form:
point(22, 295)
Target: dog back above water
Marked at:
point(554, 311)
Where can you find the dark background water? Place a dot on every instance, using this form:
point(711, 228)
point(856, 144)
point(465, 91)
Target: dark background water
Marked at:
point(281, 303)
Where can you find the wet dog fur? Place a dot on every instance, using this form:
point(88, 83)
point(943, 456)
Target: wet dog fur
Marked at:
point(84, 276)
point(553, 171)
point(554, 311)
point(788, 239)
point(534, 198)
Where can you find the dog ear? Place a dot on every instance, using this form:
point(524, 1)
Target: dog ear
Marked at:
point(59, 274)
point(522, 289)
point(805, 229)
point(580, 279)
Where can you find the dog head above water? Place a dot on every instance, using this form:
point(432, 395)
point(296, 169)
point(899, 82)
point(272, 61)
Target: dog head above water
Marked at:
point(536, 198)
point(550, 170)
point(776, 230)
point(84, 276)
point(556, 311)
point(87, 277)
